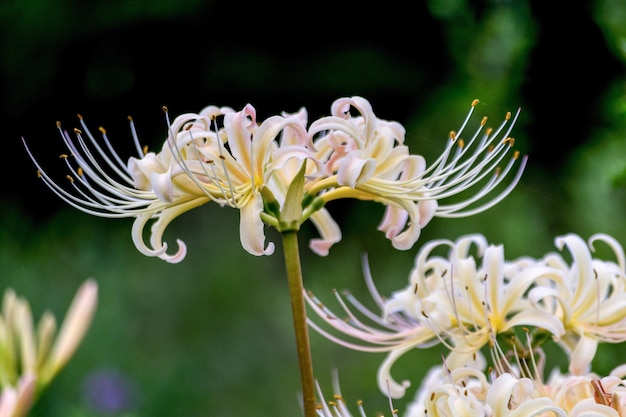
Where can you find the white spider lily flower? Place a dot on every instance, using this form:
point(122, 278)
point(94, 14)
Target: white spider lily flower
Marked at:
point(454, 300)
point(466, 391)
point(365, 158)
point(590, 297)
point(588, 394)
point(198, 163)
point(39, 351)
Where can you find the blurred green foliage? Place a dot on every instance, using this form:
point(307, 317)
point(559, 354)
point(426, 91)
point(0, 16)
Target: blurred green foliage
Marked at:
point(212, 335)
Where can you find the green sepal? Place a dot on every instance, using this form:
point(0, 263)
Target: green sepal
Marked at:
point(270, 204)
point(292, 209)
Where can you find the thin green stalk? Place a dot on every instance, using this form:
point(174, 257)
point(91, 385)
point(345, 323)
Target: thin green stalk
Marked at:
point(298, 308)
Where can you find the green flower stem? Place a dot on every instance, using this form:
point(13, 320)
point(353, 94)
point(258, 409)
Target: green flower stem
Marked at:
point(298, 308)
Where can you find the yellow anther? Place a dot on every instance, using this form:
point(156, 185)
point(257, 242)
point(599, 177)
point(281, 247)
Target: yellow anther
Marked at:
point(510, 141)
point(79, 171)
point(189, 126)
point(101, 129)
point(508, 115)
point(80, 116)
point(475, 102)
point(69, 177)
point(58, 125)
point(164, 109)
point(461, 143)
point(337, 397)
point(39, 174)
point(488, 131)
point(130, 118)
point(452, 135)
point(332, 403)
point(483, 121)
point(490, 148)
point(498, 171)
point(359, 402)
point(77, 131)
point(515, 154)
point(145, 149)
point(63, 156)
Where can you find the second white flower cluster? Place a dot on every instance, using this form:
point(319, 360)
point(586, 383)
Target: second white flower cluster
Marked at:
point(494, 316)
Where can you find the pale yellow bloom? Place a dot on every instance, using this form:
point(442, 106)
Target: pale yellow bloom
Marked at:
point(17, 401)
point(39, 351)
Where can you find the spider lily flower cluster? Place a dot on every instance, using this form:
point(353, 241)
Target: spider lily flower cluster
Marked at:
point(31, 356)
point(230, 158)
point(474, 301)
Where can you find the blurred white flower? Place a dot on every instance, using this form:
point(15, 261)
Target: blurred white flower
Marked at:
point(17, 401)
point(589, 297)
point(39, 353)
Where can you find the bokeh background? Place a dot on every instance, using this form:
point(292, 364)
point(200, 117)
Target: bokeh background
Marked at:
point(212, 336)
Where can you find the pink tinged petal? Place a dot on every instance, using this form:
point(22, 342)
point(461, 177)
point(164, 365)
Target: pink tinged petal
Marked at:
point(354, 169)
point(251, 228)
point(17, 402)
point(328, 229)
point(394, 221)
point(403, 234)
point(287, 154)
point(583, 354)
point(427, 209)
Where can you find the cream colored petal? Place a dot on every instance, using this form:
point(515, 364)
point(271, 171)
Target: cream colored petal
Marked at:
point(583, 354)
point(386, 383)
point(25, 331)
point(251, 227)
point(328, 229)
point(591, 409)
point(73, 329)
point(537, 407)
point(46, 331)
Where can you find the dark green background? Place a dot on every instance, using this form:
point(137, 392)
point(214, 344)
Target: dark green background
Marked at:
point(212, 336)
